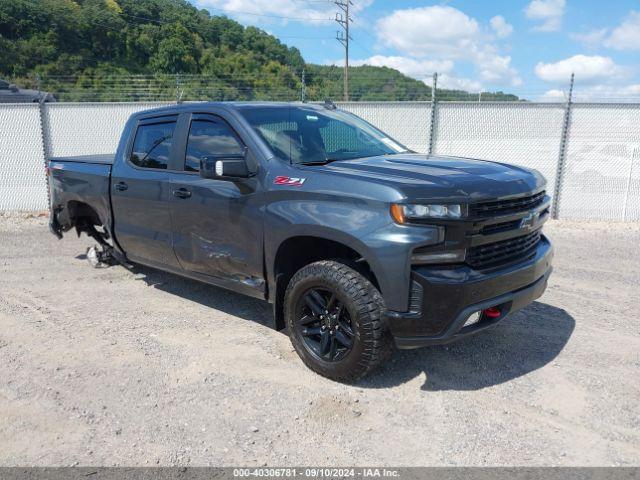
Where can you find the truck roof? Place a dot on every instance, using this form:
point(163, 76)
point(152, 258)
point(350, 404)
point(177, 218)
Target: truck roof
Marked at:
point(235, 105)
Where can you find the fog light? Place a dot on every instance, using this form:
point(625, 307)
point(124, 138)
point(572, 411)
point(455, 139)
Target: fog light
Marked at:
point(473, 319)
point(452, 256)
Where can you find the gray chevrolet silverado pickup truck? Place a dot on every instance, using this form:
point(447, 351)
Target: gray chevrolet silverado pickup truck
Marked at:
point(358, 242)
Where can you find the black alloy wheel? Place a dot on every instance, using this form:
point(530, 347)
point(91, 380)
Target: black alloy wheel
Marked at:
point(325, 324)
point(336, 321)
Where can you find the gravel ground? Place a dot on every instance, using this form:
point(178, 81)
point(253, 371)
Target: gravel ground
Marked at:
point(113, 367)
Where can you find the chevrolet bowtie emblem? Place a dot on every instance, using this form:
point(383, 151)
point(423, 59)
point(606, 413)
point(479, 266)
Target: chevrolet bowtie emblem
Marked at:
point(529, 220)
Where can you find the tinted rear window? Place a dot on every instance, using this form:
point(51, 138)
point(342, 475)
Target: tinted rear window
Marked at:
point(152, 145)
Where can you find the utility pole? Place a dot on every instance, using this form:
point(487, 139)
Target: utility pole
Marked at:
point(343, 37)
point(303, 89)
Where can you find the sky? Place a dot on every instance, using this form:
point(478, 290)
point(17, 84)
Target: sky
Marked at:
point(529, 48)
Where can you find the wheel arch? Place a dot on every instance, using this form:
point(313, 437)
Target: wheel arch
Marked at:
point(78, 210)
point(83, 217)
point(300, 249)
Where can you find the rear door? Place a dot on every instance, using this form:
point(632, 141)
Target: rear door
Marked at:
point(140, 193)
point(217, 224)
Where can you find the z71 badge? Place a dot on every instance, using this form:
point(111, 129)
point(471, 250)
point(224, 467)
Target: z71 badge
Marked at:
point(289, 181)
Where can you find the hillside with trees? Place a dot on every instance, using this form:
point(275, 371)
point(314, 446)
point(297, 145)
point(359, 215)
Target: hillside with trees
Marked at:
point(124, 50)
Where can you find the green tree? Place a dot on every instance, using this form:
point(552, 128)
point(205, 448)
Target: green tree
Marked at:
point(133, 49)
point(176, 53)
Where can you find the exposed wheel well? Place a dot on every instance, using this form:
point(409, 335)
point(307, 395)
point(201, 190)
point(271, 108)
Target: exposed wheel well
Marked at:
point(85, 219)
point(296, 252)
point(82, 213)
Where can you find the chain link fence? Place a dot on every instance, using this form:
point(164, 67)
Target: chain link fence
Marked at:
point(407, 122)
point(599, 174)
point(522, 134)
point(86, 128)
point(23, 183)
point(601, 177)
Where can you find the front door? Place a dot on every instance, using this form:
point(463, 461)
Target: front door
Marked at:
point(217, 224)
point(140, 193)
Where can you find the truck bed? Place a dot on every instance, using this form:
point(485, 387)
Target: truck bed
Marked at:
point(102, 159)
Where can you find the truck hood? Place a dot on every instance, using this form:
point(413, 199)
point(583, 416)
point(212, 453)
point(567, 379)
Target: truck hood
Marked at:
point(430, 176)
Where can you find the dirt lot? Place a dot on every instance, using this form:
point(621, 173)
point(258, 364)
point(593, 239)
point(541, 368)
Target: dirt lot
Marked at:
point(113, 367)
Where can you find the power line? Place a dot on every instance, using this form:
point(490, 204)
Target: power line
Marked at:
point(367, 33)
point(311, 19)
point(363, 47)
point(117, 77)
point(303, 37)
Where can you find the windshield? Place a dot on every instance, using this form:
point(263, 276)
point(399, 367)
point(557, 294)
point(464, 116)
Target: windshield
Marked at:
point(304, 134)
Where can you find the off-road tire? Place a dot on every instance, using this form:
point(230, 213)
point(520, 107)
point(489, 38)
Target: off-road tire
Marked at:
point(372, 344)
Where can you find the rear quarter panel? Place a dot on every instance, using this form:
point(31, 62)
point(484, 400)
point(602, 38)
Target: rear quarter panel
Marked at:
point(82, 182)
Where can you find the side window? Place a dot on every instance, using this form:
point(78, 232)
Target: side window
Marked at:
point(208, 137)
point(152, 145)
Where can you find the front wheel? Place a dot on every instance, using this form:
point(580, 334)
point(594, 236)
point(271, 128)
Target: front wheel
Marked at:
point(335, 318)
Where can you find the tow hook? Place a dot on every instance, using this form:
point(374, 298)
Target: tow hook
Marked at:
point(492, 312)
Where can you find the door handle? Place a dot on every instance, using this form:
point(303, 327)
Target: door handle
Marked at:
point(181, 193)
point(121, 186)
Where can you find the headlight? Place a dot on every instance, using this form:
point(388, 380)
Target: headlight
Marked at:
point(405, 213)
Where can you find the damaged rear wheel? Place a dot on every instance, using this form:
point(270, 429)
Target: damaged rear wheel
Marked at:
point(99, 257)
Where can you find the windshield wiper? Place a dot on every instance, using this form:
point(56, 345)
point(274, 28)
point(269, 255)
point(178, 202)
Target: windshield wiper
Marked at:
point(321, 162)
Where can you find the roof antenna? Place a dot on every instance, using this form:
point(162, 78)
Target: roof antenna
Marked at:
point(329, 105)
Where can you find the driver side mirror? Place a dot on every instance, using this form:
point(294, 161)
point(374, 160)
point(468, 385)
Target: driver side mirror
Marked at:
point(224, 167)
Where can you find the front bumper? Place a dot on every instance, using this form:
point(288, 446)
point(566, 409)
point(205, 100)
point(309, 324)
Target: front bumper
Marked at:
point(444, 298)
